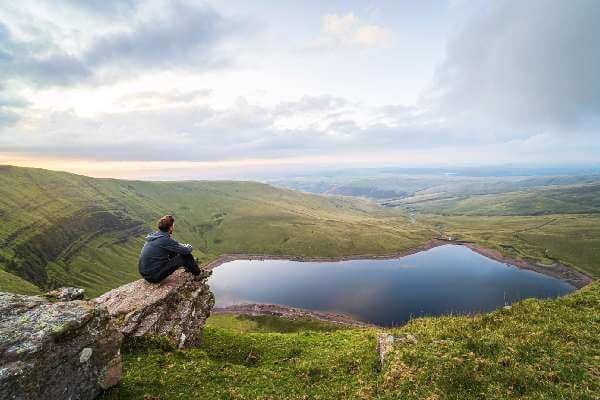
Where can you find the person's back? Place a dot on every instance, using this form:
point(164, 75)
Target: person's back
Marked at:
point(162, 255)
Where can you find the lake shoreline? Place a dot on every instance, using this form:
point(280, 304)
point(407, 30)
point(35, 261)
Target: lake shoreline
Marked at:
point(277, 310)
point(557, 270)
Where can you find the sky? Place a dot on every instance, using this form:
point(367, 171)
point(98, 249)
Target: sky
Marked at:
point(203, 89)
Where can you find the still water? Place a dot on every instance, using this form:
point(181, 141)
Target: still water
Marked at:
point(449, 279)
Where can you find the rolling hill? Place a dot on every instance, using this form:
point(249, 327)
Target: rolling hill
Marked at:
point(65, 229)
point(551, 199)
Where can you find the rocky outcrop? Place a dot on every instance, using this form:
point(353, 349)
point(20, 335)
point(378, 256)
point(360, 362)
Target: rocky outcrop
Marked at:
point(56, 350)
point(176, 308)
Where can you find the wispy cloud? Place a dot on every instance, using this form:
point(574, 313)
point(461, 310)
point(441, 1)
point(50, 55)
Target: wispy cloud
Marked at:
point(348, 30)
point(176, 35)
point(524, 65)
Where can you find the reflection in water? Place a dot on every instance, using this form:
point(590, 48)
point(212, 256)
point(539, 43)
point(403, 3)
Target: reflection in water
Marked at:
point(448, 279)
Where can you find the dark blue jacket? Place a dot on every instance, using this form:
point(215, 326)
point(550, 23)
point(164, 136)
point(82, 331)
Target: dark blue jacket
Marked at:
point(157, 250)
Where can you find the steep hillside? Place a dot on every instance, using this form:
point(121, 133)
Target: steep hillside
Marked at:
point(65, 229)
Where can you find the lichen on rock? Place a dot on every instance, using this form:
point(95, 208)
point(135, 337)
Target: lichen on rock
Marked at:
point(55, 350)
point(65, 294)
point(176, 308)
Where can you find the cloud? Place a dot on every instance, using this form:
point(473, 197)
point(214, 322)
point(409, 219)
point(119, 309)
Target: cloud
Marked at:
point(198, 132)
point(11, 108)
point(155, 35)
point(524, 65)
point(517, 77)
point(31, 60)
point(108, 8)
point(180, 35)
point(348, 30)
point(154, 99)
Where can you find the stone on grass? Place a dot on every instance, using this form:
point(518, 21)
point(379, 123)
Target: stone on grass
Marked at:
point(385, 343)
point(56, 350)
point(176, 308)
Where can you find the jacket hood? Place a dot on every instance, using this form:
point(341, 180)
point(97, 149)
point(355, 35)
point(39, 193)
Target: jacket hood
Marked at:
point(156, 235)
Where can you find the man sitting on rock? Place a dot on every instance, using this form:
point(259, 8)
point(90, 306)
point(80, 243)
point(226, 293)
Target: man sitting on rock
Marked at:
point(161, 255)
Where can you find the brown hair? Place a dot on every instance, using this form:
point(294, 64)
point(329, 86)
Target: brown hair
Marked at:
point(165, 223)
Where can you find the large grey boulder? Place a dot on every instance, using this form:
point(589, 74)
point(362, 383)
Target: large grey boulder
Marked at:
point(56, 350)
point(176, 308)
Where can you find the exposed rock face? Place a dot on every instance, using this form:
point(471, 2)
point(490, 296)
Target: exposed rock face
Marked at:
point(62, 350)
point(176, 308)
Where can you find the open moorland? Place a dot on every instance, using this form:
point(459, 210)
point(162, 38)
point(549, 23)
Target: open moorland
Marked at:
point(64, 229)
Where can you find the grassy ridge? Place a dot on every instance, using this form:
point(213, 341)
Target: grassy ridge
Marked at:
point(535, 350)
point(566, 199)
point(65, 229)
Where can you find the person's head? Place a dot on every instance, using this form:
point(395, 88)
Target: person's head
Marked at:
point(165, 224)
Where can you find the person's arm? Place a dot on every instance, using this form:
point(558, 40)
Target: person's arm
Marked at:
point(175, 247)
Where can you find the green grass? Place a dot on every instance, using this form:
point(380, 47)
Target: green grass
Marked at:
point(13, 283)
point(268, 323)
point(230, 365)
point(536, 350)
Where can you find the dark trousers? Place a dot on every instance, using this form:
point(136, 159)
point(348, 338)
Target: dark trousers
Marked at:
point(180, 260)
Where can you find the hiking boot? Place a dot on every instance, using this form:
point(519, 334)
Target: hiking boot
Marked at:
point(204, 273)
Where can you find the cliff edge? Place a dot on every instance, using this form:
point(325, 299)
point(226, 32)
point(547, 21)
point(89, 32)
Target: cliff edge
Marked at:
point(176, 308)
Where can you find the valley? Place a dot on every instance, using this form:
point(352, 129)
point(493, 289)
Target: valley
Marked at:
point(65, 229)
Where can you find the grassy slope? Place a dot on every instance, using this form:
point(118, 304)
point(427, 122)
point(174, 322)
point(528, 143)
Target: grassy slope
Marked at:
point(13, 283)
point(268, 323)
point(571, 239)
point(64, 229)
point(565, 199)
point(535, 350)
